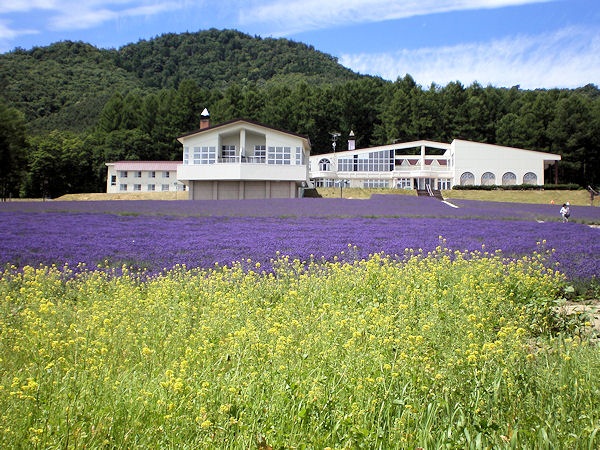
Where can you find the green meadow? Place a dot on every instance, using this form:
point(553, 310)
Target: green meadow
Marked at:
point(438, 350)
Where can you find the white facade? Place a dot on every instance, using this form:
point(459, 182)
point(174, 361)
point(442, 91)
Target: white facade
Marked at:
point(243, 159)
point(428, 165)
point(142, 176)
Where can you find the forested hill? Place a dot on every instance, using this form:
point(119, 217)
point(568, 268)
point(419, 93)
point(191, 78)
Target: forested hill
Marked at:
point(65, 85)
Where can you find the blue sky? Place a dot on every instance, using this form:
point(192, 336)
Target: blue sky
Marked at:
point(531, 43)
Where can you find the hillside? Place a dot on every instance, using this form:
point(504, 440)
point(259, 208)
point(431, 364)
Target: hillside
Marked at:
point(65, 85)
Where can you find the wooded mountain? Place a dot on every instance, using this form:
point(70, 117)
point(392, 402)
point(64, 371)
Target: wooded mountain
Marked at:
point(68, 108)
point(65, 85)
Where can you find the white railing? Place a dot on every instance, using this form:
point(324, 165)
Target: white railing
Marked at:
point(242, 160)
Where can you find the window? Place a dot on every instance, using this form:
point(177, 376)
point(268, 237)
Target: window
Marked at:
point(530, 178)
point(375, 184)
point(488, 179)
point(324, 165)
point(228, 153)
point(279, 155)
point(186, 156)
point(509, 179)
point(381, 161)
point(152, 174)
point(443, 184)
point(260, 153)
point(165, 187)
point(467, 179)
point(325, 183)
point(113, 180)
point(137, 187)
point(123, 187)
point(166, 174)
point(404, 183)
point(122, 174)
point(151, 187)
point(299, 156)
point(137, 174)
point(204, 155)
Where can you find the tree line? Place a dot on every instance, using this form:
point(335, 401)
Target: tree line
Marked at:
point(52, 153)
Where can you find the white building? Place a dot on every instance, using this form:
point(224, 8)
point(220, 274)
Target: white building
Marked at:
point(242, 159)
point(428, 165)
point(142, 176)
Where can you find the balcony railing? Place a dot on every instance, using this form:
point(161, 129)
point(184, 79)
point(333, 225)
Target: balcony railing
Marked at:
point(242, 160)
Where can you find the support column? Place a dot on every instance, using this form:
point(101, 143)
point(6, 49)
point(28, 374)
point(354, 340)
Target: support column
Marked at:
point(242, 143)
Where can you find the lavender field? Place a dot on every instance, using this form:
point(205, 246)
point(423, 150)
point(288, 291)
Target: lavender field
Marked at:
point(157, 235)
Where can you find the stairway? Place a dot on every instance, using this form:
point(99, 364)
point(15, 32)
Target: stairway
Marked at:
point(430, 193)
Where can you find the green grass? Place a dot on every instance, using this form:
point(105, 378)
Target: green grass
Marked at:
point(438, 351)
point(577, 197)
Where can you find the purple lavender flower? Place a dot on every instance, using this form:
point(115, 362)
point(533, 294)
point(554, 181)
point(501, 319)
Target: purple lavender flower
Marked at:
point(160, 234)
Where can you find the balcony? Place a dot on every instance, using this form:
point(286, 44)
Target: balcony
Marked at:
point(242, 168)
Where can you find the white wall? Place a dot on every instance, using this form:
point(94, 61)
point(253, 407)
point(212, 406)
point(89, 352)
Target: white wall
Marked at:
point(479, 158)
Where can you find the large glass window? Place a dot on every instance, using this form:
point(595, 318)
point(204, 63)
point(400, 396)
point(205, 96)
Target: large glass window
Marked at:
point(530, 178)
point(467, 179)
point(509, 179)
point(488, 179)
point(279, 155)
point(204, 155)
point(381, 161)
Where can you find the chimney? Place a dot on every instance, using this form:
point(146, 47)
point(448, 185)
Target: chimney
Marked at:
point(351, 141)
point(204, 119)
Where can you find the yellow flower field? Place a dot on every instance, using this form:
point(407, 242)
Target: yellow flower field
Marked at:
point(439, 350)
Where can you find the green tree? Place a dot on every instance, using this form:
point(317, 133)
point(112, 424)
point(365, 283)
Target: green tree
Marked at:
point(59, 164)
point(12, 150)
point(571, 134)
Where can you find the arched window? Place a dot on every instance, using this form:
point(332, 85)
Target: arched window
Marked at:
point(467, 179)
point(530, 178)
point(324, 165)
point(509, 179)
point(488, 179)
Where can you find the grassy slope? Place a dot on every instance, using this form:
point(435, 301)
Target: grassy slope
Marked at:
point(579, 197)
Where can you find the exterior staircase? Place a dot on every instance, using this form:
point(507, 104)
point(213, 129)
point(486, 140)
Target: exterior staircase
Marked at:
point(430, 193)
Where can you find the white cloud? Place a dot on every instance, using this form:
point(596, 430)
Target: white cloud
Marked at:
point(82, 15)
point(293, 16)
point(569, 57)
point(73, 14)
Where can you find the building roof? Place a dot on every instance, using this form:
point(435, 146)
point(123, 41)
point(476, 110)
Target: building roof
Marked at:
point(145, 165)
point(241, 120)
